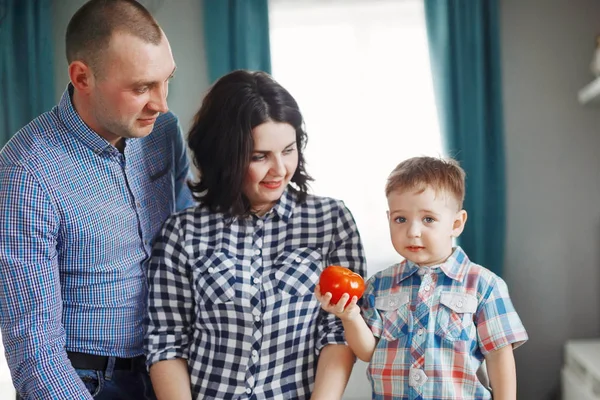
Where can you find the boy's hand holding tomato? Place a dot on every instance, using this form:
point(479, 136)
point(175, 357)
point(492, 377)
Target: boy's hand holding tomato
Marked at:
point(338, 291)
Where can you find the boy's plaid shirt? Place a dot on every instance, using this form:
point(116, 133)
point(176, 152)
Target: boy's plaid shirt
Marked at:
point(435, 326)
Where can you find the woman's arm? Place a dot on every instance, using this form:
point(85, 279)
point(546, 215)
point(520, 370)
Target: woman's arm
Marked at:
point(171, 380)
point(333, 371)
point(502, 373)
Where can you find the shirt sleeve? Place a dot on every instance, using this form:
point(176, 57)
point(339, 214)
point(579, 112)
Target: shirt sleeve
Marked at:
point(498, 324)
point(181, 170)
point(30, 293)
point(369, 312)
point(346, 250)
point(170, 297)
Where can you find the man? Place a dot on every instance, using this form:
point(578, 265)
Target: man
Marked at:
point(85, 188)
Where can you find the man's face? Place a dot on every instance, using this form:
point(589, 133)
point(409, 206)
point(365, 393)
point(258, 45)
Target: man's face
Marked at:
point(130, 87)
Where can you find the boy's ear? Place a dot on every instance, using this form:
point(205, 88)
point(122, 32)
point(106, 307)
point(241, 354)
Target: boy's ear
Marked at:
point(459, 223)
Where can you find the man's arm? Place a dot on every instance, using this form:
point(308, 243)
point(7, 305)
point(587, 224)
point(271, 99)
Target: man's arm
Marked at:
point(30, 292)
point(181, 170)
point(333, 371)
point(502, 373)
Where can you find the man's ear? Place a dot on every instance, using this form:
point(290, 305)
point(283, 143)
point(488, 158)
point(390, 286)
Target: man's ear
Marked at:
point(459, 223)
point(81, 76)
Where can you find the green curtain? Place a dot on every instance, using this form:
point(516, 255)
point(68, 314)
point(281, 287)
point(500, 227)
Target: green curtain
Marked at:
point(465, 62)
point(236, 36)
point(26, 63)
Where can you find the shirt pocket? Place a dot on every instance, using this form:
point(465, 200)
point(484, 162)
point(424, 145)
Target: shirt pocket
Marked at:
point(455, 316)
point(215, 278)
point(396, 316)
point(297, 272)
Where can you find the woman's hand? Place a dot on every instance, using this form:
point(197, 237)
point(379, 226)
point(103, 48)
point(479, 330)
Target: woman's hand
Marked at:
point(351, 311)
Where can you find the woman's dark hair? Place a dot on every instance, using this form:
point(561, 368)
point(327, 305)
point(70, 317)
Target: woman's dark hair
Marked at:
point(221, 138)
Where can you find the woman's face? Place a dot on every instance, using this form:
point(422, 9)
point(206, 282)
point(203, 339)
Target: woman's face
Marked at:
point(272, 165)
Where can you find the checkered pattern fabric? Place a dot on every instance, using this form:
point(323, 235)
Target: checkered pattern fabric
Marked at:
point(235, 297)
point(76, 223)
point(435, 325)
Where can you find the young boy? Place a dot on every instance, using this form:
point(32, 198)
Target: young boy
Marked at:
point(431, 320)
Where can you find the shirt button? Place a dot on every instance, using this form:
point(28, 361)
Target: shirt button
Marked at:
point(256, 281)
point(138, 204)
point(211, 270)
point(420, 331)
point(254, 353)
point(248, 390)
point(257, 318)
point(417, 377)
point(298, 259)
point(427, 287)
point(259, 223)
point(257, 252)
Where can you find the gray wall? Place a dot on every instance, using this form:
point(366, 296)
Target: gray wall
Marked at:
point(552, 145)
point(553, 256)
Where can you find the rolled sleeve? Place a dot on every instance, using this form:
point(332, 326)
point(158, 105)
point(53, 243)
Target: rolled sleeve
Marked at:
point(170, 297)
point(346, 250)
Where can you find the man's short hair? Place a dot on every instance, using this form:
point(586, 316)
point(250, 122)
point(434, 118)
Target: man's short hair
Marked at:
point(418, 173)
point(91, 28)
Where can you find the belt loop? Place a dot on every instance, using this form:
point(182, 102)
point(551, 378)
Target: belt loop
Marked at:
point(110, 367)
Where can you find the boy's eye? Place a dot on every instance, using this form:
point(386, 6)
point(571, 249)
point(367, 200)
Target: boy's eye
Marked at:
point(400, 220)
point(429, 220)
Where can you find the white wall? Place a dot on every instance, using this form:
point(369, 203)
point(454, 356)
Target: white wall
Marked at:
point(553, 173)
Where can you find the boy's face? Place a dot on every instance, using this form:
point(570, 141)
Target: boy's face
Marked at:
point(423, 225)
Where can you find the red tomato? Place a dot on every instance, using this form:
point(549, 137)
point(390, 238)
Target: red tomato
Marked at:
point(339, 280)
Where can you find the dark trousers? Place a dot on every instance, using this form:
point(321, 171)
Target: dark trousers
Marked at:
point(112, 378)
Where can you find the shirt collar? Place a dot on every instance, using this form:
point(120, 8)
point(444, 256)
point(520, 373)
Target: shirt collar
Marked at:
point(78, 128)
point(285, 205)
point(455, 267)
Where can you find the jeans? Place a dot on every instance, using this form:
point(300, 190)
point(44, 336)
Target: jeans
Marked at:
point(112, 384)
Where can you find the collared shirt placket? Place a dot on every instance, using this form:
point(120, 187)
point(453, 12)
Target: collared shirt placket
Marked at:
point(256, 300)
point(422, 311)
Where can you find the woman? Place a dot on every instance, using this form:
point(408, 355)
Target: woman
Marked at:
point(231, 307)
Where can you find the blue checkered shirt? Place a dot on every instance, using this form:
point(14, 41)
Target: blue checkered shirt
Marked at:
point(236, 299)
point(77, 219)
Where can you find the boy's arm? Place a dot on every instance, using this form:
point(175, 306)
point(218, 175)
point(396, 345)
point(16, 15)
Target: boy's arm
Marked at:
point(358, 334)
point(502, 373)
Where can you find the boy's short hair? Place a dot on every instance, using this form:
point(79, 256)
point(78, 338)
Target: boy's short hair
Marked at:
point(417, 173)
